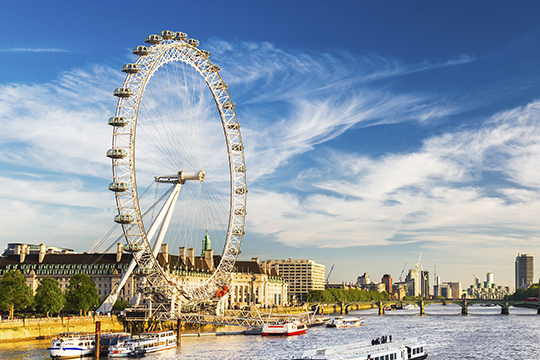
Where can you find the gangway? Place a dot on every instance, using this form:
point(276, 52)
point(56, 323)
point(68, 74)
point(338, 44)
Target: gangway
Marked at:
point(229, 317)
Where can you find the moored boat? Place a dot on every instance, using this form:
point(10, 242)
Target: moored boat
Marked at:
point(72, 345)
point(144, 343)
point(287, 328)
point(396, 350)
point(341, 322)
point(106, 340)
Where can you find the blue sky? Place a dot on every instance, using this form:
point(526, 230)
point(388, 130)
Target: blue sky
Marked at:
point(373, 130)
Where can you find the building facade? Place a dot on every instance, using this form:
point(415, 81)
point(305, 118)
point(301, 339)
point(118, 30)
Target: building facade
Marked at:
point(250, 284)
point(363, 279)
point(524, 271)
point(387, 281)
point(301, 276)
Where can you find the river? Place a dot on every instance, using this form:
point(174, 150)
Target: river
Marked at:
point(483, 334)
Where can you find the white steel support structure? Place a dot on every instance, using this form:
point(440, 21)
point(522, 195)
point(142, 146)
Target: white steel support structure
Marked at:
point(165, 292)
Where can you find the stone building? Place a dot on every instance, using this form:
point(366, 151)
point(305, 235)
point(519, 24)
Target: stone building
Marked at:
point(250, 283)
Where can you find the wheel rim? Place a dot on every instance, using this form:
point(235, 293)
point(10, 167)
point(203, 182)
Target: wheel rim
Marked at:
point(171, 106)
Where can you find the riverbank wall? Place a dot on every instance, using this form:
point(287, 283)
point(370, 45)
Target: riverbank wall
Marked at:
point(332, 309)
point(42, 328)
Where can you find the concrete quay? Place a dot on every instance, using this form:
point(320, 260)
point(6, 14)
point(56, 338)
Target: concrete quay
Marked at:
point(41, 328)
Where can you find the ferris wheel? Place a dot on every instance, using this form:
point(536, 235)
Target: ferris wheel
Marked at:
point(179, 173)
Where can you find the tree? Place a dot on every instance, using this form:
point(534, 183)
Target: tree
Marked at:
point(14, 293)
point(49, 297)
point(82, 294)
point(121, 305)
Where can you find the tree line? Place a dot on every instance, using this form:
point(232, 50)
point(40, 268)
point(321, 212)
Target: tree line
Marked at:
point(80, 296)
point(332, 295)
point(522, 294)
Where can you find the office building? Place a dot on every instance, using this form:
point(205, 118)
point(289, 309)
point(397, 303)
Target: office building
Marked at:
point(524, 271)
point(301, 276)
point(413, 283)
point(363, 279)
point(387, 281)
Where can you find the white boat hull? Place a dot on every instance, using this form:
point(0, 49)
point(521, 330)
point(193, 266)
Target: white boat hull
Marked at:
point(69, 353)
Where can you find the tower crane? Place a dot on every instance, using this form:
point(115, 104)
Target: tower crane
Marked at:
point(401, 275)
point(330, 273)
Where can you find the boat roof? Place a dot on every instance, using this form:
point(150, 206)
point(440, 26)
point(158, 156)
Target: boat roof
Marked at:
point(359, 349)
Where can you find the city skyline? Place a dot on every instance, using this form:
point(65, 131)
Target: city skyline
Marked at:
point(373, 131)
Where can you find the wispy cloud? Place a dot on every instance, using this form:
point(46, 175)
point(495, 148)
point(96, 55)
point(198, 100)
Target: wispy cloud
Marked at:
point(461, 192)
point(38, 50)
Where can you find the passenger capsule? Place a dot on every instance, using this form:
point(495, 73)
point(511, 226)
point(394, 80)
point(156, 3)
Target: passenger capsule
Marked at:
point(141, 50)
point(237, 147)
point(131, 68)
point(240, 212)
point(241, 191)
point(228, 105)
point(116, 153)
point(212, 68)
point(240, 169)
point(153, 39)
point(133, 247)
point(118, 186)
point(233, 126)
point(124, 219)
point(220, 85)
point(119, 121)
point(238, 232)
point(206, 53)
point(123, 92)
point(167, 34)
point(193, 42)
point(180, 36)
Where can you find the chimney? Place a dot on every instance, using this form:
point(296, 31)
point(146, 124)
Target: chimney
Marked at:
point(255, 259)
point(191, 256)
point(119, 249)
point(42, 251)
point(165, 252)
point(209, 259)
point(182, 254)
point(23, 252)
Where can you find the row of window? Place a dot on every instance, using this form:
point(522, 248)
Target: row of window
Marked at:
point(65, 266)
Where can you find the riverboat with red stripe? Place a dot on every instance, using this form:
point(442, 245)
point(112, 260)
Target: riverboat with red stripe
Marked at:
point(284, 329)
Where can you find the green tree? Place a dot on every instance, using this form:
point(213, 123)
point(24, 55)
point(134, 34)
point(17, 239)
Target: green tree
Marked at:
point(82, 294)
point(522, 294)
point(49, 297)
point(14, 293)
point(121, 305)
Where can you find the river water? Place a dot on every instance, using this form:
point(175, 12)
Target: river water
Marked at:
point(483, 334)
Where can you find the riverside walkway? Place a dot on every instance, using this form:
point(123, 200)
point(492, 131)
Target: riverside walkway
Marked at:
point(343, 307)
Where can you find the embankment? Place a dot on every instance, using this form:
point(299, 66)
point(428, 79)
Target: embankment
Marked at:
point(47, 327)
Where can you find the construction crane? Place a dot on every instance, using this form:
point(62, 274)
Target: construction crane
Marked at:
point(401, 275)
point(330, 273)
point(417, 264)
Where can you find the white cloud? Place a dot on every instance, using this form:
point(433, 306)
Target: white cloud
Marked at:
point(436, 195)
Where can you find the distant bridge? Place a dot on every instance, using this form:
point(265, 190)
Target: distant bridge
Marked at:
point(343, 307)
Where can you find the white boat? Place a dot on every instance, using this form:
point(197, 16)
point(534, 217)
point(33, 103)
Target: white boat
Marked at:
point(72, 345)
point(408, 307)
point(341, 322)
point(286, 328)
point(144, 343)
point(395, 350)
point(107, 340)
